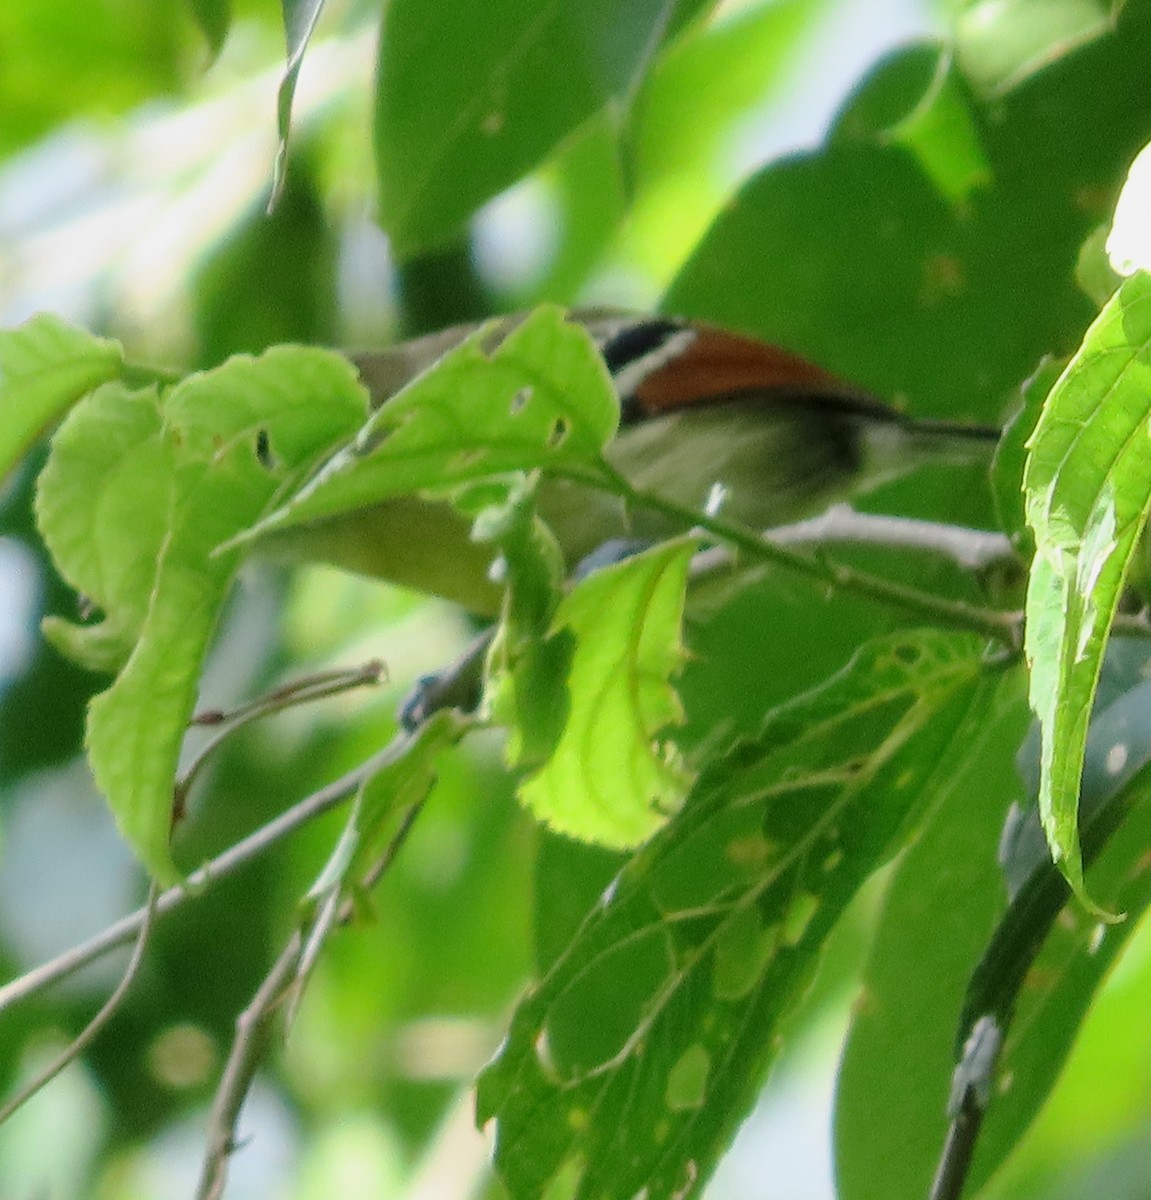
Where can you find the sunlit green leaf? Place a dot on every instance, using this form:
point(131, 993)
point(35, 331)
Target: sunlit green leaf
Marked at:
point(613, 779)
point(631, 1063)
point(542, 398)
point(1088, 494)
point(45, 367)
point(138, 494)
point(104, 507)
point(471, 97)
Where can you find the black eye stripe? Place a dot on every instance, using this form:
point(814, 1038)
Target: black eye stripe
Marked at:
point(636, 342)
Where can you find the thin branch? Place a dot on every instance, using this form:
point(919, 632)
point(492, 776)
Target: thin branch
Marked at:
point(282, 985)
point(230, 860)
point(314, 686)
point(107, 1011)
point(320, 685)
point(253, 1030)
point(971, 549)
point(955, 613)
point(958, 1150)
point(971, 1090)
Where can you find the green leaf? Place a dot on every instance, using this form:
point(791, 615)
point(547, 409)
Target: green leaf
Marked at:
point(46, 365)
point(541, 399)
point(104, 508)
point(925, 280)
point(676, 143)
point(919, 102)
point(214, 18)
point(941, 903)
point(527, 665)
point(1088, 493)
point(300, 17)
point(1047, 958)
point(1011, 455)
point(92, 61)
point(612, 779)
point(136, 498)
point(1001, 43)
point(631, 1063)
point(398, 787)
point(471, 97)
point(377, 823)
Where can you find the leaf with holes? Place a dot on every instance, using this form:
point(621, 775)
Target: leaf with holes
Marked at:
point(138, 493)
point(944, 896)
point(613, 779)
point(1087, 489)
point(630, 1065)
point(541, 399)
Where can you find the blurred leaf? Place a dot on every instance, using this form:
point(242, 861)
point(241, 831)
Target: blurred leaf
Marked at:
point(1001, 43)
point(472, 97)
point(44, 696)
point(612, 779)
point(214, 18)
point(136, 497)
point(273, 279)
point(947, 309)
point(98, 58)
point(542, 398)
point(1093, 270)
point(630, 1065)
point(379, 820)
point(920, 103)
point(645, 192)
point(300, 17)
point(1088, 494)
point(941, 904)
point(46, 365)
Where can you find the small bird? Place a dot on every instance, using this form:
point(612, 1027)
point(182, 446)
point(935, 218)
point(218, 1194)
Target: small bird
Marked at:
point(704, 413)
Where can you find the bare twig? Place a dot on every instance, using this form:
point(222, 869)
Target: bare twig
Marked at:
point(318, 686)
point(282, 985)
point(108, 1009)
point(971, 549)
point(253, 1028)
point(943, 610)
point(315, 686)
point(230, 860)
point(971, 1089)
